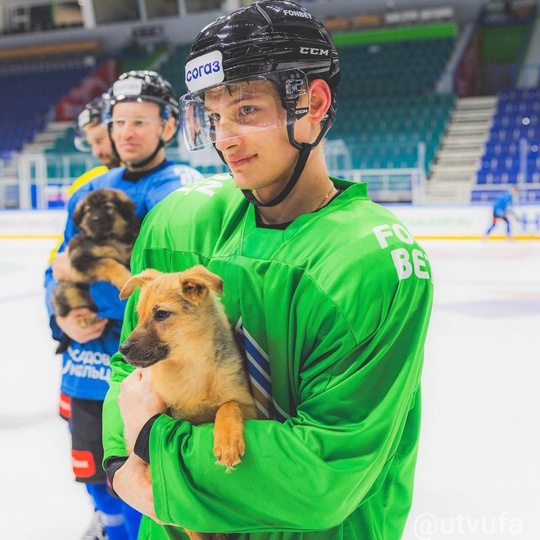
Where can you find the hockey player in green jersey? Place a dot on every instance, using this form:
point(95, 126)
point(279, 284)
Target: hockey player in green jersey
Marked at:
point(329, 293)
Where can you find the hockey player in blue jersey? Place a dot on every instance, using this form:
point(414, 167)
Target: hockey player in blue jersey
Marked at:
point(501, 209)
point(142, 119)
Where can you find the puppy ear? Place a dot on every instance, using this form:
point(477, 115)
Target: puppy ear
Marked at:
point(126, 207)
point(195, 280)
point(140, 280)
point(79, 212)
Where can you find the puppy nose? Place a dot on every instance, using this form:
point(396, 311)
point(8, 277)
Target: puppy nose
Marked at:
point(125, 348)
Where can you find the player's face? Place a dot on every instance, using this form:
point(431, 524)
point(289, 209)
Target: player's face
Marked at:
point(98, 139)
point(250, 132)
point(136, 128)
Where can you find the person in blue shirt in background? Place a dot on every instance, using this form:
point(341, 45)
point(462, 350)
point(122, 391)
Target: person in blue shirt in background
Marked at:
point(142, 118)
point(501, 209)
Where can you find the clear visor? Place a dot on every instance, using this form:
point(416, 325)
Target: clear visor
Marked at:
point(241, 107)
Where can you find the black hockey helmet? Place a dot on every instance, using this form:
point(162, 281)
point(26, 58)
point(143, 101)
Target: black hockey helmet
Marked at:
point(264, 37)
point(149, 86)
point(93, 114)
point(277, 40)
point(145, 85)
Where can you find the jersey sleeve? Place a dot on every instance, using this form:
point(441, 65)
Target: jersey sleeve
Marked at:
point(113, 427)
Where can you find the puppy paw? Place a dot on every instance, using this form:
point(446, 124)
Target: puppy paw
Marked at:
point(229, 444)
point(229, 451)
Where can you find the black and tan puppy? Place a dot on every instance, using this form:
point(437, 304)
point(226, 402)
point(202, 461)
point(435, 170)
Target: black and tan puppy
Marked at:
point(101, 251)
point(108, 228)
point(185, 338)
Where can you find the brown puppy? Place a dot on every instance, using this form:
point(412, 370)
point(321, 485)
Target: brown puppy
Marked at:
point(101, 251)
point(185, 338)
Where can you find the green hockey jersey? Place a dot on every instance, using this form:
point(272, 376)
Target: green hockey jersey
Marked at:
point(333, 311)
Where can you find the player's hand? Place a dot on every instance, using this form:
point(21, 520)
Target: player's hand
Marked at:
point(132, 484)
point(138, 402)
point(82, 333)
point(61, 267)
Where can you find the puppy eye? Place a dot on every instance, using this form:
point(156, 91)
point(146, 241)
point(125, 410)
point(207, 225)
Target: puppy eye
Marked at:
point(161, 315)
point(109, 207)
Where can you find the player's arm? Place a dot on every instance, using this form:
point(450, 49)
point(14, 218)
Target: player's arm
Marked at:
point(50, 281)
point(323, 463)
point(114, 443)
point(353, 410)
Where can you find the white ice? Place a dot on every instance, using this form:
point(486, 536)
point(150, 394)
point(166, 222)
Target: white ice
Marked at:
point(478, 473)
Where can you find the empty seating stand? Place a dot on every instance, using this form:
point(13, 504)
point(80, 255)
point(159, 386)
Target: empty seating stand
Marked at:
point(33, 79)
point(511, 153)
point(387, 102)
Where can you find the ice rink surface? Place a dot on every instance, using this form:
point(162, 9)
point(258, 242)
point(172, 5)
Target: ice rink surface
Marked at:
point(478, 473)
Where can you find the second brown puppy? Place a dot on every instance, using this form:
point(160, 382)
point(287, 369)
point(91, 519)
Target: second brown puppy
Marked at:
point(185, 338)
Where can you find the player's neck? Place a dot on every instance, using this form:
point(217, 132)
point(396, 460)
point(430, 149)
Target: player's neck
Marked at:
point(312, 192)
point(134, 174)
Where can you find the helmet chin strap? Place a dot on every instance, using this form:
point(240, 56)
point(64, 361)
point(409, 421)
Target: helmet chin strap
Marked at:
point(305, 151)
point(303, 155)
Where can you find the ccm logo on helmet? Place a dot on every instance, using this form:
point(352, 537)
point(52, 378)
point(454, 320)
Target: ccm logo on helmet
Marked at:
point(204, 71)
point(313, 51)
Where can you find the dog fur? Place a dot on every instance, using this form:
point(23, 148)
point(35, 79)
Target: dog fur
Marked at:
point(101, 251)
point(185, 338)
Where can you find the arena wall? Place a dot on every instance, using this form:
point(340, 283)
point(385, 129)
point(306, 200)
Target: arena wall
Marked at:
point(424, 222)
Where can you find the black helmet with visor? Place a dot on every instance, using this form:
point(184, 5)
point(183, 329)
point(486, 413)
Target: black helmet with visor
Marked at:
point(145, 86)
point(93, 114)
point(271, 40)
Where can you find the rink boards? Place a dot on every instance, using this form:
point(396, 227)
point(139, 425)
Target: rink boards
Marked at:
point(424, 222)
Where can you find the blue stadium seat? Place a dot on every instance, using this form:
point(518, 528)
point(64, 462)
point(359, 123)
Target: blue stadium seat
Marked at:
point(23, 111)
